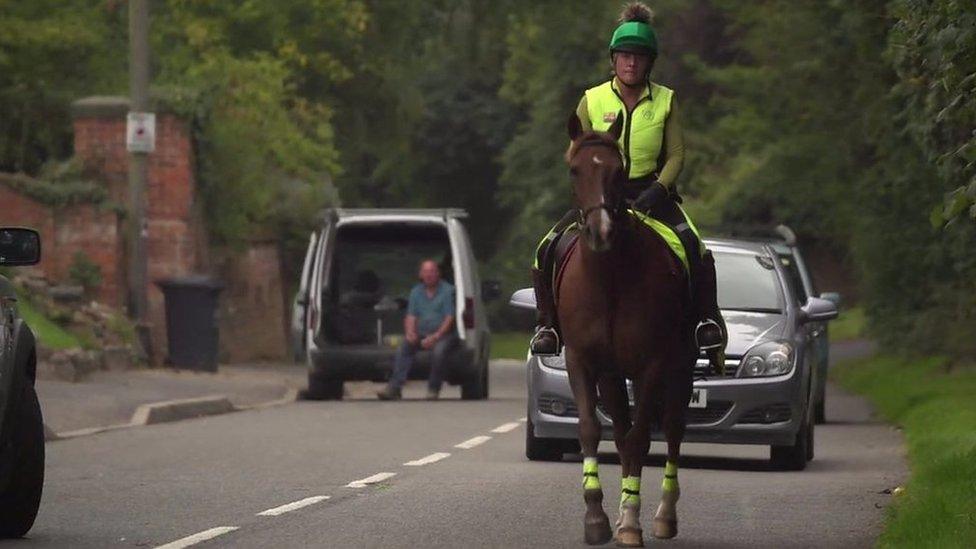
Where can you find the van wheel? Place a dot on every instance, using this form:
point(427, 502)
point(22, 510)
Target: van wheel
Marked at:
point(477, 387)
point(546, 449)
point(323, 388)
point(20, 499)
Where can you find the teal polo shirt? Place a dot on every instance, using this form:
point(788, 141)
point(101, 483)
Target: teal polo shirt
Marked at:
point(431, 311)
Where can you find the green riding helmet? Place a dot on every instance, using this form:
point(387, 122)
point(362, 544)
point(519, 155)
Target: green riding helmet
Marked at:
point(636, 37)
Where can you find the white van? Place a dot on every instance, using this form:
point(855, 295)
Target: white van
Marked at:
point(347, 319)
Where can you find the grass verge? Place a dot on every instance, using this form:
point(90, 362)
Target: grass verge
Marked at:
point(936, 408)
point(509, 345)
point(47, 332)
point(849, 325)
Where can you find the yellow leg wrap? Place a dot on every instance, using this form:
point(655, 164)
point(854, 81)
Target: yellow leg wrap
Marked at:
point(630, 491)
point(591, 479)
point(670, 483)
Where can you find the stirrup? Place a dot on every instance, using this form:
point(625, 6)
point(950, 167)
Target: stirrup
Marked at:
point(708, 335)
point(535, 339)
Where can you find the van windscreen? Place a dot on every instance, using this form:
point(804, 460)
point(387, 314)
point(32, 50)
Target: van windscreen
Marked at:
point(380, 262)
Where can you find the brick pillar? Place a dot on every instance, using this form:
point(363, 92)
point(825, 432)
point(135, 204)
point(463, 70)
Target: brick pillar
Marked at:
point(176, 245)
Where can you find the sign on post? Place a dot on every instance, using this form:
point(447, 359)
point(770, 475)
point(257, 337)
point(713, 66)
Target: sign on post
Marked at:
point(140, 132)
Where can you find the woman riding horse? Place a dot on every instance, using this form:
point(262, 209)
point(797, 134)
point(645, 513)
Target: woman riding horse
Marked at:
point(653, 154)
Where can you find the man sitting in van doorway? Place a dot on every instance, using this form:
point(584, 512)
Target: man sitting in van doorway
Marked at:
point(429, 325)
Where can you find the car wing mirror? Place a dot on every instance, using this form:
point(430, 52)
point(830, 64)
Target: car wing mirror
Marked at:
point(833, 297)
point(818, 310)
point(19, 247)
point(523, 299)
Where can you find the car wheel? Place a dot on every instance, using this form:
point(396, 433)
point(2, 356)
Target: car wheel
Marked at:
point(820, 411)
point(20, 499)
point(546, 449)
point(477, 387)
point(794, 457)
point(323, 388)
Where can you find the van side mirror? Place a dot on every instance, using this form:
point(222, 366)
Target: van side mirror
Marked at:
point(491, 290)
point(19, 247)
point(818, 310)
point(523, 299)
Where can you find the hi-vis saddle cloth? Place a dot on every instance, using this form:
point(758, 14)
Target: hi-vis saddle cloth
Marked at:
point(565, 246)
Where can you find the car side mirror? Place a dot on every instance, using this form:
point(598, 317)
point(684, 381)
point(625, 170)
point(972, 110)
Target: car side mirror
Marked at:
point(19, 247)
point(523, 299)
point(491, 290)
point(818, 310)
point(832, 297)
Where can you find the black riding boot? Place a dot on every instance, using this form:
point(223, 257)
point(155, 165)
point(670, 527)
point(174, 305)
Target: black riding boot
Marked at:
point(710, 332)
point(546, 338)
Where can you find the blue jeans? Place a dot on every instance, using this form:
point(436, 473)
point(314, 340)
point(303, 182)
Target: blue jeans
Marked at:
point(407, 353)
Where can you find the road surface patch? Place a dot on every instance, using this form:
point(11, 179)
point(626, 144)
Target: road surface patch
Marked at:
point(433, 458)
point(364, 482)
point(197, 538)
point(293, 506)
point(472, 442)
point(506, 427)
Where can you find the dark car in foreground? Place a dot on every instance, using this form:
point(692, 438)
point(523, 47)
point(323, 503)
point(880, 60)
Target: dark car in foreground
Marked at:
point(21, 425)
point(768, 393)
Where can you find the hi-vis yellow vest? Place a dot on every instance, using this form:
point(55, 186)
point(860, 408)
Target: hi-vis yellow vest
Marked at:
point(643, 133)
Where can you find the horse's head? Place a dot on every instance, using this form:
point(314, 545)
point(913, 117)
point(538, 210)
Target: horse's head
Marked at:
point(596, 167)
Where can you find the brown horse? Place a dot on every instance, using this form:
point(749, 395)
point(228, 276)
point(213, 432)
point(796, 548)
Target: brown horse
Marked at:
point(623, 311)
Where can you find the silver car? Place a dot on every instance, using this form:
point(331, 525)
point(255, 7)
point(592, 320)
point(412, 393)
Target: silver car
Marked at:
point(347, 317)
point(768, 392)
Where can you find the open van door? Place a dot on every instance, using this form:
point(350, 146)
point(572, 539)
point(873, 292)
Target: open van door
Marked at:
point(299, 308)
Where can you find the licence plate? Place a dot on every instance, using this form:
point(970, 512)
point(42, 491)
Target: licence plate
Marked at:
point(699, 398)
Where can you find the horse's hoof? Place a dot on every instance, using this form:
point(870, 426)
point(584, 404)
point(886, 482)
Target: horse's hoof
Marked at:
point(596, 530)
point(665, 529)
point(630, 537)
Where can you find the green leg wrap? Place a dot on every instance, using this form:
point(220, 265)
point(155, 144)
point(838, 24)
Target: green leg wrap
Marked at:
point(630, 491)
point(591, 479)
point(670, 483)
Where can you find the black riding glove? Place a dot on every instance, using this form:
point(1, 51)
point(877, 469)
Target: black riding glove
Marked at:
point(650, 197)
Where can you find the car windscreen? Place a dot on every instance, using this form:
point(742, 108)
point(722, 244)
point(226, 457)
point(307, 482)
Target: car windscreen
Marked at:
point(747, 282)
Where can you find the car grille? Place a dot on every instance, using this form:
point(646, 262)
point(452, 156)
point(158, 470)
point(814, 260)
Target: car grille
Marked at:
point(702, 368)
point(556, 406)
point(713, 413)
point(774, 413)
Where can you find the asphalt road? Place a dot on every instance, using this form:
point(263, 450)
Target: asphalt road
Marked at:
point(159, 484)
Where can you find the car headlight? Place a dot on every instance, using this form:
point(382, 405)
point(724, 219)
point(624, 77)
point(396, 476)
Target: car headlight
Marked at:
point(558, 362)
point(772, 358)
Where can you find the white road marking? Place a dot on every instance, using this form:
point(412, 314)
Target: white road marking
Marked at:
point(472, 442)
point(437, 456)
point(197, 538)
point(506, 427)
point(523, 419)
point(363, 482)
point(292, 506)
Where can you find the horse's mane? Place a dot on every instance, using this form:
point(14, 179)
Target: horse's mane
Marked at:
point(590, 138)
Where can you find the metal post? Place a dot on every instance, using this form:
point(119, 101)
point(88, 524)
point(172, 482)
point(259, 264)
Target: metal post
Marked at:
point(138, 170)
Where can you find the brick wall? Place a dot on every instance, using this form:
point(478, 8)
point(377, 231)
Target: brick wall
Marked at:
point(175, 244)
point(64, 232)
point(252, 311)
point(252, 308)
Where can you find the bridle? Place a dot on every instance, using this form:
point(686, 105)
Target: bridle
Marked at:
point(611, 209)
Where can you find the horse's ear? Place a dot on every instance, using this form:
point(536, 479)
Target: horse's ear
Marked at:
point(617, 128)
point(574, 127)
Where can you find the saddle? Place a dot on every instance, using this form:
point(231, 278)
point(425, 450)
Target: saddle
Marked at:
point(564, 245)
